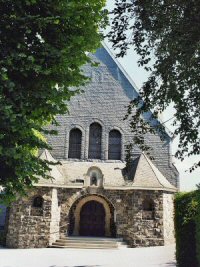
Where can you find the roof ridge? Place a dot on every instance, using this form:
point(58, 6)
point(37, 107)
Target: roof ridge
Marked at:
point(121, 67)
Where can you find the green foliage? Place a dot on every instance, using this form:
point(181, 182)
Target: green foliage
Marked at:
point(187, 228)
point(167, 32)
point(2, 238)
point(43, 44)
point(198, 239)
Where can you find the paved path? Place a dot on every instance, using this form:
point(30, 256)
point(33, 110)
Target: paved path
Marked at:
point(131, 257)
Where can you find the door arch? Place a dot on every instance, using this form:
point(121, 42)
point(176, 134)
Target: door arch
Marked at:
point(92, 219)
point(75, 220)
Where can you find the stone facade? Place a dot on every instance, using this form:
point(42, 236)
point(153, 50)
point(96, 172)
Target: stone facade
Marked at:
point(125, 211)
point(26, 230)
point(137, 203)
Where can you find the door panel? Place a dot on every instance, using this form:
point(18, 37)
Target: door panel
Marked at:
point(92, 219)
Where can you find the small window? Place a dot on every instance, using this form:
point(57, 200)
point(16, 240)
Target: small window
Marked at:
point(75, 139)
point(148, 209)
point(95, 141)
point(38, 202)
point(37, 206)
point(114, 149)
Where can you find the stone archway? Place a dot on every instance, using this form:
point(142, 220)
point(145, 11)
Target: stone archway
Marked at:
point(77, 214)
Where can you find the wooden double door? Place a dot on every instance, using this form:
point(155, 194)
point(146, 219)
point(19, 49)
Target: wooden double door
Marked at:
point(92, 219)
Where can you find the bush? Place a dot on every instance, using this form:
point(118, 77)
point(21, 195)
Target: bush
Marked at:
point(2, 238)
point(198, 232)
point(187, 229)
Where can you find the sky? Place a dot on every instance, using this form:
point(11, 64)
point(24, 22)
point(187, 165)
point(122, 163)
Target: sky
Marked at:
point(188, 180)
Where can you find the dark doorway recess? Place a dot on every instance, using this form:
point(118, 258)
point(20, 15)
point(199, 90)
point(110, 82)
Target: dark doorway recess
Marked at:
point(92, 219)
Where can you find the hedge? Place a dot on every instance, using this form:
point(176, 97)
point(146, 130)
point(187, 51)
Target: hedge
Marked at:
point(2, 238)
point(187, 229)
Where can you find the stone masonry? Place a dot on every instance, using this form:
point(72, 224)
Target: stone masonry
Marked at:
point(28, 231)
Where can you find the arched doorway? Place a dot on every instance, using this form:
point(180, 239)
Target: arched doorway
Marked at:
point(92, 219)
point(89, 209)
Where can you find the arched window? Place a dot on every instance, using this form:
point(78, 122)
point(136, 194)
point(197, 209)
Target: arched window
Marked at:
point(114, 148)
point(95, 141)
point(148, 209)
point(75, 138)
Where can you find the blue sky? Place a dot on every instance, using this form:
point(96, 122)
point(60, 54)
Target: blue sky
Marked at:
point(188, 180)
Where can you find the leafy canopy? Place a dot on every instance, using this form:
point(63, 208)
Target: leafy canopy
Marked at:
point(169, 32)
point(43, 44)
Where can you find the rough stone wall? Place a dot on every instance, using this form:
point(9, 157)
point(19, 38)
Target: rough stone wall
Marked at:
point(168, 218)
point(13, 227)
point(104, 101)
point(129, 222)
point(66, 197)
point(128, 212)
point(25, 230)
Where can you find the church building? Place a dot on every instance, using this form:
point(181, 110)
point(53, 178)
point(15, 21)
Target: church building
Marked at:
point(92, 194)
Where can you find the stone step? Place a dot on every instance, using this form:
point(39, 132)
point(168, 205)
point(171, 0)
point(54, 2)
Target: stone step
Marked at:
point(88, 245)
point(89, 242)
point(92, 243)
point(86, 241)
point(64, 242)
point(92, 238)
point(83, 247)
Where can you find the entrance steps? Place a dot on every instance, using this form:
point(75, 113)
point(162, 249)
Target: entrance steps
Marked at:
point(89, 243)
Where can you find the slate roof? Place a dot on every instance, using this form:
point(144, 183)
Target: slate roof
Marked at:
point(132, 84)
point(145, 174)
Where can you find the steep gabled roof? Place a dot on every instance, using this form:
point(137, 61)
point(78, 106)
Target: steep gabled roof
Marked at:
point(55, 173)
point(105, 55)
point(146, 175)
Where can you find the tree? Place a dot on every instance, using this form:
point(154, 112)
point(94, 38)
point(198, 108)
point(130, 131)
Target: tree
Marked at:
point(166, 36)
point(43, 44)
